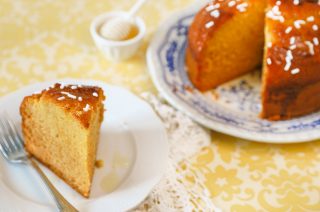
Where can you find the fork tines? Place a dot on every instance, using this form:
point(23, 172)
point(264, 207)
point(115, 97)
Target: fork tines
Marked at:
point(10, 138)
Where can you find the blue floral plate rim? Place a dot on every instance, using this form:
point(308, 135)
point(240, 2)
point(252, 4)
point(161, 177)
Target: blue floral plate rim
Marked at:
point(165, 59)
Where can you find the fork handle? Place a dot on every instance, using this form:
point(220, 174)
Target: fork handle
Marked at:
point(61, 202)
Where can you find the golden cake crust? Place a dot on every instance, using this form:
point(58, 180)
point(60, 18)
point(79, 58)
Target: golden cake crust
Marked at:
point(213, 56)
point(292, 60)
point(72, 98)
point(198, 35)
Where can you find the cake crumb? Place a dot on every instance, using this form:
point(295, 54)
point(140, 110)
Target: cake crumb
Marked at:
point(188, 88)
point(99, 164)
point(215, 95)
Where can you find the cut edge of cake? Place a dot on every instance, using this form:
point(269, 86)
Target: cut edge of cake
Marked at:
point(225, 40)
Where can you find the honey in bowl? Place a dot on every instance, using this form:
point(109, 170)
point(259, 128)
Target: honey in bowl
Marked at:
point(133, 32)
point(118, 29)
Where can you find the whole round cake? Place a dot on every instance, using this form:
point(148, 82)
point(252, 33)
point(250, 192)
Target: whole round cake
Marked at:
point(229, 38)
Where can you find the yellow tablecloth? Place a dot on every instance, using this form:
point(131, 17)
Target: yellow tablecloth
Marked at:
point(45, 40)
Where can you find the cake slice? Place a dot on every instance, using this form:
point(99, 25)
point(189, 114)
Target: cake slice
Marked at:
point(291, 69)
point(225, 40)
point(61, 129)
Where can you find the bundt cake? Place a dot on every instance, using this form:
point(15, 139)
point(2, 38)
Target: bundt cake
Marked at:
point(61, 127)
point(226, 39)
point(291, 67)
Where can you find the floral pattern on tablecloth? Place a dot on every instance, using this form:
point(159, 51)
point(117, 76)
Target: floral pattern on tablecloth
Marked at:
point(248, 176)
point(45, 40)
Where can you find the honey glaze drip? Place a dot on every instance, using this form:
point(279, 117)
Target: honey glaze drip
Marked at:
point(119, 161)
point(110, 181)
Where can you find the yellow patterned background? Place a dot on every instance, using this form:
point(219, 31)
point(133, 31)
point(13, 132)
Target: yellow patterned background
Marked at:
point(45, 40)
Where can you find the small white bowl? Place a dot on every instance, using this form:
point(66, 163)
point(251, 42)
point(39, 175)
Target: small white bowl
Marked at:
point(117, 50)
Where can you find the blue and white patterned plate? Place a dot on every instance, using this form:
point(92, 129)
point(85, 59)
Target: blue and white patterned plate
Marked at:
point(233, 108)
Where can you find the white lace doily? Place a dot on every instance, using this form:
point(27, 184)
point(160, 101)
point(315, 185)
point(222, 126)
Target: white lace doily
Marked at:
point(174, 192)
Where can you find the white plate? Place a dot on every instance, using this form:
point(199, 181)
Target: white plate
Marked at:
point(133, 145)
point(236, 110)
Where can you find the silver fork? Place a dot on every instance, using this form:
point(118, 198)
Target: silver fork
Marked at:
point(12, 149)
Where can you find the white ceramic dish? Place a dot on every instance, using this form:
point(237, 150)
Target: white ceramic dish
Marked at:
point(132, 144)
point(117, 50)
point(236, 110)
